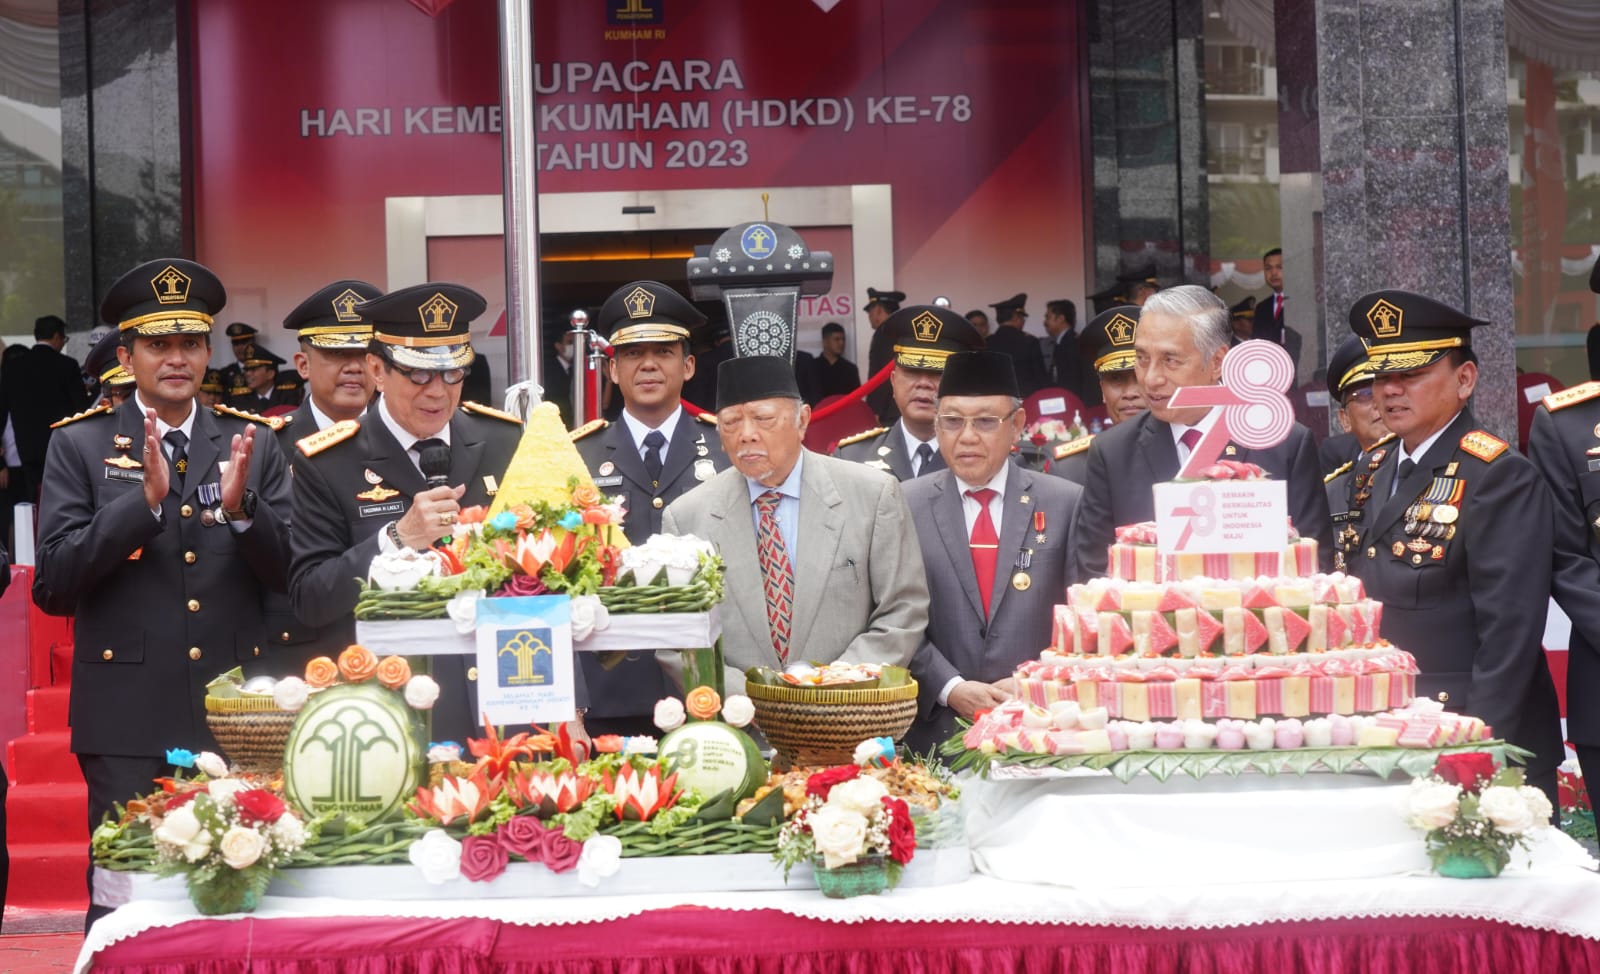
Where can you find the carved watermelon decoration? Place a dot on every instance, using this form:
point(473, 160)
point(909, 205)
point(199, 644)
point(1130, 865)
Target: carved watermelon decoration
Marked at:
point(355, 749)
point(712, 757)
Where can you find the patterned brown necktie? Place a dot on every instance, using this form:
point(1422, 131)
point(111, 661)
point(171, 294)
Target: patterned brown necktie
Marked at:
point(777, 574)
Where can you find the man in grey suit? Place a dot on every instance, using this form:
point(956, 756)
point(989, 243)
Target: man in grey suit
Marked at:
point(995, 538)
point(822, 563)
point(1182, 335)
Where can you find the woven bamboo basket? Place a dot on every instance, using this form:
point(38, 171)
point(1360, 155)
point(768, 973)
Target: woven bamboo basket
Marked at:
point(252, 731)
point(813, 725)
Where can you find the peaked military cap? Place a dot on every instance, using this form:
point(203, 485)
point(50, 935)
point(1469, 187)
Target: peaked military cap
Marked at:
point(256, 356)
point(239, 331)
point(101, 362)
point(924, 335)
point(889, 299)
point(1348, 367)
point(1005, 309)
point(329, 319)
point(747, 378)
point(1144, 275)
point(213, 382)
point(1112, 331)
point(1244, 309)
point(164, 297)
point(979, 373)
point(425, 326)
point(1404, 331)
point(647, 311)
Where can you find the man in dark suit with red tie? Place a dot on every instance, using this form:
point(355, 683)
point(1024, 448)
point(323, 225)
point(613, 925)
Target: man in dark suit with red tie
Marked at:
point(1269, 324)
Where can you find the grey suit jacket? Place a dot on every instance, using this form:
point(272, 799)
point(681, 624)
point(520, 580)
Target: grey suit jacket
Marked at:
point(860, 594)
point(961, 641)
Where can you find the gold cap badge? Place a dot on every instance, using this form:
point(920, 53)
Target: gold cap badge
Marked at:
point(640, 303)
point(1120, 330)
point(171, 286)
point(438, 313)
point(344, 306)
point(1384, 319)
point(927, 326)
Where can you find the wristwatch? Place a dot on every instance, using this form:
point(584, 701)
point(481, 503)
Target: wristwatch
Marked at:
point(393, 530)
point(246, 511)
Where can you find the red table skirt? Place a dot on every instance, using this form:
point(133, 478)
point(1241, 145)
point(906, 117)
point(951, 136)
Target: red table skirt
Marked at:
point(716, 941)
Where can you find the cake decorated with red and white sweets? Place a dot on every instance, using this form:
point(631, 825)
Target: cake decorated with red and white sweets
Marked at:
point(1134, 557)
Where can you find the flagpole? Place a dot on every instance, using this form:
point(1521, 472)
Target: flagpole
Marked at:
point(520, 199)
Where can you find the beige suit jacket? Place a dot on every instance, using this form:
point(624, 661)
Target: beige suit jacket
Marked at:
point(860, 591)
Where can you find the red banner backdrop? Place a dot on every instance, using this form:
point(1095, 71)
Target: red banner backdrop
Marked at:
point(309, 114)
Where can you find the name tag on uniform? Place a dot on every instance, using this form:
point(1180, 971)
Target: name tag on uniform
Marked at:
point(608, 481)
point(126, 476)
point(381, 510)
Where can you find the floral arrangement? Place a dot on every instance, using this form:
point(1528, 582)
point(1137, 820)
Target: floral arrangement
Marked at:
point(850, 818)
point(1474, 813)
point(1039, 440)
point(224, 834)
point(1577, 814)
point(356, 664)
point(704, 703)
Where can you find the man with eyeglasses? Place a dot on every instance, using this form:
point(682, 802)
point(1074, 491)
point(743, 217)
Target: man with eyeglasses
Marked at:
point(332, 358)
point(920, 337)
point(360, 487)
point(995, 540)
point(1180, 339)
point(1350, 387)
point(822, 562)
point(1008, 338)
point(1452, 530)
point(653, 454)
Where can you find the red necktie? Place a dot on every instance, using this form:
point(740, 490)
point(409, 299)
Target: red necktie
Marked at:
point(1190, 438)
point(777, 574)
point(985, 545)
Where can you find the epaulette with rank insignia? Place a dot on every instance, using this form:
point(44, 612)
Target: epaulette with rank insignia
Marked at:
point(1076, 446)
point(1483, 445)
point(863, 435)
point(1330, 478)
point(587, 428)
point(273, 423)
point(319, 441)
point(1570, 397)
point(706, 418)
point(1386, 438)
point(482, 410)
point(104, 407)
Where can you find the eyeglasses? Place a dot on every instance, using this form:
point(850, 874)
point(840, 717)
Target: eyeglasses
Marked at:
point(421, 377)
point(983, 424)
point(1356, 395)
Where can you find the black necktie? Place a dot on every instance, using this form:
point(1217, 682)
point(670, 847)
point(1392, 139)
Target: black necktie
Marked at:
point(1406, 466)
point(653, 442)
point(924, 457)
point(178, 454)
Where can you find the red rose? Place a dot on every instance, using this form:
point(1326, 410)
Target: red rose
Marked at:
point(902, 833)
point(1471, 770)
point(259, 805)
point(560, 853)
point(482, 858)
point(181, 799)
point(822, 782)
point(523, 836)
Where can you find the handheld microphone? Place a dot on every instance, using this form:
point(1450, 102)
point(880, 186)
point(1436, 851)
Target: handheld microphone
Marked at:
point(435, 462)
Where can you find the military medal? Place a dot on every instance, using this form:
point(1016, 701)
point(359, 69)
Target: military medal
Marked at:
point(209, 494)
point(606, 468)
point(1377, 457)
point(1597, 429)
point(122, 442)
point(1021, 582)
point(1444, 514)
point(377, 494)
point(1038, 527)
point(207, 517)
point(372, 478)
point(700, 447)
point(704, 470)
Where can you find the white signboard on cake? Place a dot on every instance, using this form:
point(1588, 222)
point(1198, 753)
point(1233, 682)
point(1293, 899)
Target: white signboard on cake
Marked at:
point(1221, 516)
point(525, 668)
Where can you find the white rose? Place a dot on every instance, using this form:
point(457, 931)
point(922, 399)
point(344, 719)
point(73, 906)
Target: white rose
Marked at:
point(291, 693)
point(601, 857)
point(838, 833)
point(222, 790)
point(861, 796)
point(738, 710)
point(437, 855)
point(865, 752)
point(1506, 808)
point(212, 765)
point(669, 713)
point(242, 846)
point(588, 615)
point(1538, 805)
point(288, 833)
point(403, 570)
point(1432, 804)
point(462, 609)
point(421, 692)
point(181, 831)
